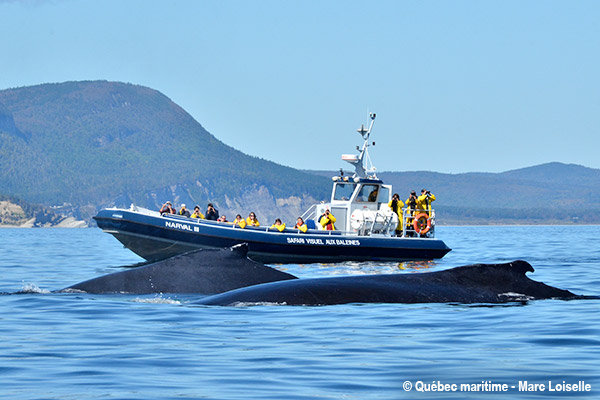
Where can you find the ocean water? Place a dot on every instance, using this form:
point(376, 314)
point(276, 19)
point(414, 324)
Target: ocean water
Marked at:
point(78, 346)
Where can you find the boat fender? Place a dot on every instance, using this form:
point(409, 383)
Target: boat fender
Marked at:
point(422, 223)
point(357, 220)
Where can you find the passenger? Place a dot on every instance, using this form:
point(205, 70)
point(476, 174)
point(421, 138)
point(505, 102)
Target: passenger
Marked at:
point(183, 211)
point(212, 213)
point(251, 220)
point(424, 201)
point(167, 208)
point(197, 213)
point(396, 205)
point(326, 220)
point(280, 226)
point(239, 221)
point(222, 218)
point(373, 195)
point(300, 225)
point(411, 208)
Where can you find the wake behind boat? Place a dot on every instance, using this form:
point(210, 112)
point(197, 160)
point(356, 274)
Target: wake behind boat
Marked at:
point(366, 227)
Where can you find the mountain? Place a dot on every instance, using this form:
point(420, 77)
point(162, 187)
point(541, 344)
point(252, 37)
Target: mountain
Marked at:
point(69, 149)
point(547, 193)
point(87, 145)
point(552, 186)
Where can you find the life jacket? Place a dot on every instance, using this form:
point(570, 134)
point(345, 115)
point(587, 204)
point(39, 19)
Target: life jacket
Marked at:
point(424, 202)
point(396, 206)
point(252, 223)
point(279, 227)
point(327, 223)
point(302, 228)
point(198, 215)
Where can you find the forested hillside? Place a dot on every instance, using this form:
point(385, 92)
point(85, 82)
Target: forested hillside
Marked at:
point(92, 144)
point(73, 148)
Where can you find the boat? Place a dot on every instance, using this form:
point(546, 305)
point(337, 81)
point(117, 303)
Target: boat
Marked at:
point(365, 227)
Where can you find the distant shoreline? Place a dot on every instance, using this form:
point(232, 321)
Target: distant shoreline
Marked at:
point(68, 222)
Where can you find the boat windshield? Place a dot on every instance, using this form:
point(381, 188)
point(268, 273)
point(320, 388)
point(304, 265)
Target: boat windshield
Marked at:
point(368, 193)
point(343, 191)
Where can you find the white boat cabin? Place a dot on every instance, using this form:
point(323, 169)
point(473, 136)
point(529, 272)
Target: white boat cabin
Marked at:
point(360, 202)
point(359, 206)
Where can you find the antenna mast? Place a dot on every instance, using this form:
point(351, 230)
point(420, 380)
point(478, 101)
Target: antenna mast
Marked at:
point(357, 161)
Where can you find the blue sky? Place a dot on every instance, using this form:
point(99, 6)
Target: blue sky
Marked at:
point(458, 86)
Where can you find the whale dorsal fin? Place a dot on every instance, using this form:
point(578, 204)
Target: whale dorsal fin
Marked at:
point(240, 249)
point(488, 273)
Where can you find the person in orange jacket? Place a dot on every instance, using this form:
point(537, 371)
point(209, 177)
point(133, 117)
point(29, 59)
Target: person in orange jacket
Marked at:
point(300, 225)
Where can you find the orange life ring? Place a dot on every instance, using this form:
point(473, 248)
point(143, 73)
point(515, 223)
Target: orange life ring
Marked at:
point(422, 223)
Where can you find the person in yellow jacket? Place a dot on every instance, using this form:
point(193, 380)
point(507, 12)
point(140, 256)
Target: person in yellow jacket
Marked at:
point(424, 201)
point(251, 220)
point(327, 221)
point(239, 221)
point(300, 225)
point(280, 226)
point(396, 206)
point(411, 209)
point(197, 213)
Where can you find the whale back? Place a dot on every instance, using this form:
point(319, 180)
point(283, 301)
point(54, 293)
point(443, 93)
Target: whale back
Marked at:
point(479, 283)
point(205, 271)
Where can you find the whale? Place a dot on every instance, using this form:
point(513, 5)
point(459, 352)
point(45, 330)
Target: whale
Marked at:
point(478, 283)
point(227, 277)
point(204, 271)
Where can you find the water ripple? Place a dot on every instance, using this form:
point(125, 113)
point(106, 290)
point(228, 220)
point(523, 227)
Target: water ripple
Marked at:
point(74, 345)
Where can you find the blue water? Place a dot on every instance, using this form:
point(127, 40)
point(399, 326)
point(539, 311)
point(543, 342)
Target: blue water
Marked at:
point(74, 346)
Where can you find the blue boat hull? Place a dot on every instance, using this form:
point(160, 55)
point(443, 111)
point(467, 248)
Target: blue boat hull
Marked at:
point(158, 237)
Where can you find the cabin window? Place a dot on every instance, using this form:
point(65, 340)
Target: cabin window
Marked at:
point(368, 194)
point(343, 191)
point(384, 195)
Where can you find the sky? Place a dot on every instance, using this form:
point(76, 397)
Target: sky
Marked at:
point(457, 86)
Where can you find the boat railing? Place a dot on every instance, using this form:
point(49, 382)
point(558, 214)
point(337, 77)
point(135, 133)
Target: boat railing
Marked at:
point(311, 213)
point(230, 224)
point(424, 228)
point(418, 223)
point(142, 210)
